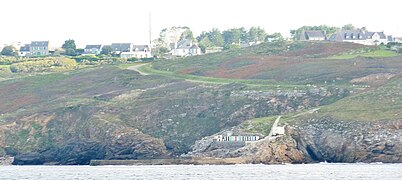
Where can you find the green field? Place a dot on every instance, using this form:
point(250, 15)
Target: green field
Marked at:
point(379, 53)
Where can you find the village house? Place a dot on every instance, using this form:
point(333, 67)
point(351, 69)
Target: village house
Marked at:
point(122, 47)
point(39, 48)
point(138, 51)
point(313, 36)
point(93, 49)
point(185, 47)
point(24, 50)
point(360, 37)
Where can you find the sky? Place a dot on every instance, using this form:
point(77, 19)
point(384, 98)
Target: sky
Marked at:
point(109, 21)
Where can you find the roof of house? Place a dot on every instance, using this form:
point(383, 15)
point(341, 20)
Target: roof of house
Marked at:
point(184, 44)
point(369, 35)
point(124, 47)
point(25, 48)
point(314, 34)
point(140, 47)
point(93, 46)
point(348, 35)
point(39, 43)
point(195, 46)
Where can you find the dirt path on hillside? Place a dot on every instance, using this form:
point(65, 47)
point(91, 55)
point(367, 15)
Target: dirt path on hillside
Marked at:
point(135, 68)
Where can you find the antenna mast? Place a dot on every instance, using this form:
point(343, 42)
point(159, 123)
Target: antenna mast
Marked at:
point(150, 30)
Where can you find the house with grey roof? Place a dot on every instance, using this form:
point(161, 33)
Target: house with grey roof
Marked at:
point(39, 48)
point(360, 37)
point(24, 50)
point(313, 36)
point(138, 51)
point(93, 49)
point(122, 47)
point(185, 47)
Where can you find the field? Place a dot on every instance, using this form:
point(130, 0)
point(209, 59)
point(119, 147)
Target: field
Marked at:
point(377, 53)
point(298, 63)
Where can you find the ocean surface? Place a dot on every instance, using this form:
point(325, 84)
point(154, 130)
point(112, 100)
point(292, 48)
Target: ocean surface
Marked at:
point(302, 171)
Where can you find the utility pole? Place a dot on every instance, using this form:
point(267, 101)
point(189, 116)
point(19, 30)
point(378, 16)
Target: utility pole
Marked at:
point(150, 29)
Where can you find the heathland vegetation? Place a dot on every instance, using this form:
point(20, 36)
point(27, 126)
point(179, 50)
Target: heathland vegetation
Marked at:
point(103, 111)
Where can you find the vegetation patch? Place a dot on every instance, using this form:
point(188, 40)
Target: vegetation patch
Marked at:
point(259, 125)
point(367, 52)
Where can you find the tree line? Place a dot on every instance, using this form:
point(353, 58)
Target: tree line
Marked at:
point(227, 39)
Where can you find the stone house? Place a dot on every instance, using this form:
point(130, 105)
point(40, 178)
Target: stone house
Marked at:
point(93, 49)
point(39, 48)
point(313, 36)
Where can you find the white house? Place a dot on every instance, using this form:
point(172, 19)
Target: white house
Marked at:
point(24, 50)
point(313, 36)
point(360, 37)
point(138, 51)
point(93, 49)
point(185, 47)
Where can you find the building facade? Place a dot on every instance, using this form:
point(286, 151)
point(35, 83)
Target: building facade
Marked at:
point(93, 49)
point(313, 36)
point(360, 37)
point(39, 48)
point(138, 51)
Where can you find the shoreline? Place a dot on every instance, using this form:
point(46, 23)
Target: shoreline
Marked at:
point(6, 161)
point(174, 161)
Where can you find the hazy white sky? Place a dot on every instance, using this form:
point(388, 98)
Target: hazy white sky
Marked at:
point(107, 21)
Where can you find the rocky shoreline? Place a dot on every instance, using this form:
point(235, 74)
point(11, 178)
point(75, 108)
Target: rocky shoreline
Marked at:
point(6, 161)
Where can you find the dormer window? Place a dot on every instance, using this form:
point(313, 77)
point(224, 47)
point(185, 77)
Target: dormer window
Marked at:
point(352, 36)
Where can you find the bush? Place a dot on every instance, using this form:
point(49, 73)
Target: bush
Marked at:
point(44, 65)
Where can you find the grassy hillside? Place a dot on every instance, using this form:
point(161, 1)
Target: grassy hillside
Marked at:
point(51, 109)
point(290, 63)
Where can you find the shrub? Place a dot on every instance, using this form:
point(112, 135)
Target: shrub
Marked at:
point(44, 65)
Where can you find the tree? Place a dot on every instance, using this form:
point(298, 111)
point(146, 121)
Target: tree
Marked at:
point(172, 36)
point(205, 43)
point(216, 38)
point(256, 34)
point(70, 47)
point(348, 27)
point(69, 44)
point(231, 36)
point(107, 50)
point(187, 34)
point(275, 37)
point(8, 51)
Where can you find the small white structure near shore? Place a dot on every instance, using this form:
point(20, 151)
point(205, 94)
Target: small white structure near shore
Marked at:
point(278, 131)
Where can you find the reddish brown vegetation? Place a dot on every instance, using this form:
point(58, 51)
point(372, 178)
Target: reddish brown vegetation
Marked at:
point(264, 63)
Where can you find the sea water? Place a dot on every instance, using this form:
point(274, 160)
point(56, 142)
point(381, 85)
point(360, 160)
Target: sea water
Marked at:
point(288, 171)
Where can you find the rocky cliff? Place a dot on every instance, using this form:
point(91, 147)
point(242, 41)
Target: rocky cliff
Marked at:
point(318, 140)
